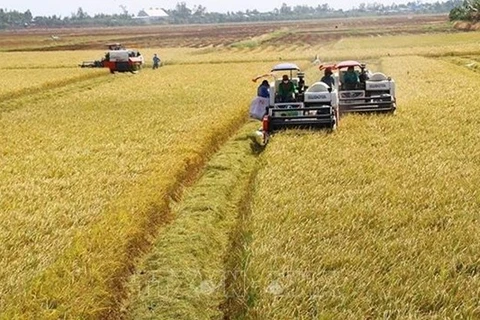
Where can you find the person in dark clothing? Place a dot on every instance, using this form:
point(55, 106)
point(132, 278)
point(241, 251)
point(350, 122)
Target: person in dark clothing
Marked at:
point(156, 61)
point(363, 74)
point(301, 87)
point(328, 78)
point(350, 79)
point(264, 89)
point(286, 90)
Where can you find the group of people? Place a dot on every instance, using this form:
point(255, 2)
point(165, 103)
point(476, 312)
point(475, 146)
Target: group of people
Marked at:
point(287, 89)
point(350, 78)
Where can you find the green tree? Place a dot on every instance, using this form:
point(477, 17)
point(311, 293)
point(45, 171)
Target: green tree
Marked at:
point(469, 10)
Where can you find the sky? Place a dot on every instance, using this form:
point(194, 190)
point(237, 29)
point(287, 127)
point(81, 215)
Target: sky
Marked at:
point(67, 7)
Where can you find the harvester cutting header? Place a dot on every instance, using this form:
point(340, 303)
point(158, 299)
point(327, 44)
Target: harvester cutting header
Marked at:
point(118, 59)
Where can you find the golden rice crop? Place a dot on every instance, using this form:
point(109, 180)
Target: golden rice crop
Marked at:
point(48, 60)
point(71, 59)
point(470, 62)
point(378, 220)
point(227, 54)
point(16, 82)
point(85, 178)
point(303, 172)
point(399, 45)
point(439, 41)
point(361, 48)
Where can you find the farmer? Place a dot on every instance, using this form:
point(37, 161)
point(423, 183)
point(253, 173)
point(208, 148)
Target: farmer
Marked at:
point(301, 87)
point(363, 73)
point(264, 89)
point(327, 77)
point(156, 61)
point(286, 90)
point(350, 78)
point(258, 106)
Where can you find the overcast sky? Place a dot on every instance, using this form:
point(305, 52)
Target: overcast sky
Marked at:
point(67, 7)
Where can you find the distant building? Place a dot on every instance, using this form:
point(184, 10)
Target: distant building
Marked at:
point(152, 14)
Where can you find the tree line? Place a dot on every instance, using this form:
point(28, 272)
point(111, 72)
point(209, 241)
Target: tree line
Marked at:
point(469, 10)
point(182, 14)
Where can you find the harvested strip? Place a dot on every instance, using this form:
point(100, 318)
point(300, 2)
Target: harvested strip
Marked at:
point(183, 278)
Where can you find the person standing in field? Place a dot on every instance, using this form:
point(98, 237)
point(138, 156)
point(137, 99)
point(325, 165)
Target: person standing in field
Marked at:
point(156, 61)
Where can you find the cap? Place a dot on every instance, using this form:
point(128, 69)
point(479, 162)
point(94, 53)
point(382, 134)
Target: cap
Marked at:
point(285, 77)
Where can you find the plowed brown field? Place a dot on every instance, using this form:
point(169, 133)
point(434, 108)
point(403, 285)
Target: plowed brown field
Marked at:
point(310, 32)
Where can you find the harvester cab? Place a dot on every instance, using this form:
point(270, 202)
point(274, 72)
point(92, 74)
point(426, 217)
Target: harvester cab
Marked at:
point(118, 59)
point(360, 90)
point(312, 106)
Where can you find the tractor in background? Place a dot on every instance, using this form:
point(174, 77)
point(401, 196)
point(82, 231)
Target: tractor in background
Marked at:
point(118, 59)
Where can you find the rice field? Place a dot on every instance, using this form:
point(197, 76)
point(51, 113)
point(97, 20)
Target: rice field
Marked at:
point(382, 221)
point(70, 163)
point(140, 196)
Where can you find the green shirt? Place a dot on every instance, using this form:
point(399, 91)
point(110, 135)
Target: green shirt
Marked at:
point(350, 77)
point(286, 89)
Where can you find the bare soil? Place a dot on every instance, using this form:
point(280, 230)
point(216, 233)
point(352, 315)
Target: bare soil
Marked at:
point(310, 32)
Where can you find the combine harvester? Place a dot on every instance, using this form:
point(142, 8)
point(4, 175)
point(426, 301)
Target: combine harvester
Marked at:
point(118, 59)
point(373, 92)
point(312, 106)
